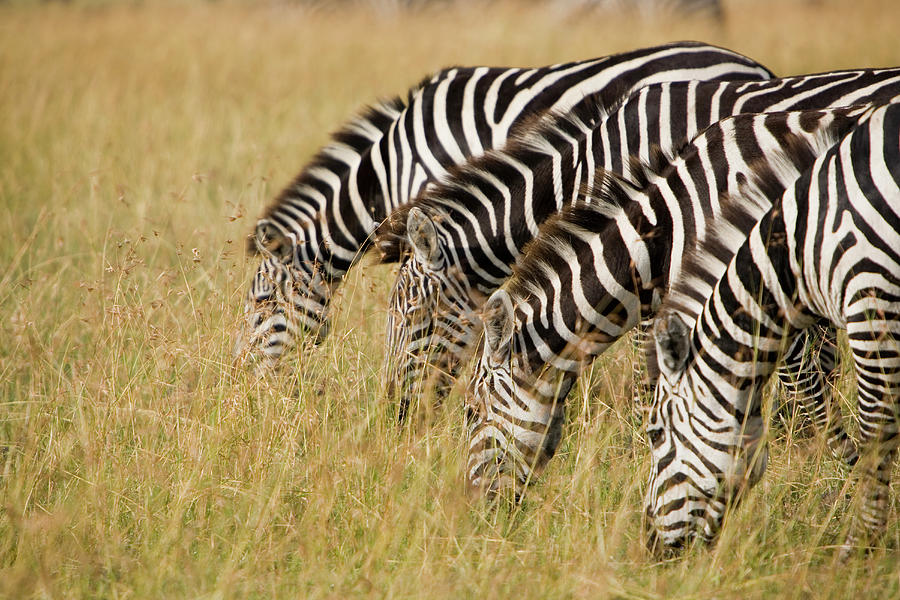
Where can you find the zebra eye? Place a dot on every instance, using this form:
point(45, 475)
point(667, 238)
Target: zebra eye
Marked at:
point(655, 436)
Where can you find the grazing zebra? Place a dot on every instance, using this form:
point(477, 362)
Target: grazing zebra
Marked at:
point(599, 267)
point(829, 249)
point(321, 223)
point(466, 232)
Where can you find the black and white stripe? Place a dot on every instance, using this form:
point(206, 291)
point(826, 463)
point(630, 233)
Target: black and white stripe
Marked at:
point(828, 250)
point(467, 231)
point(598, 268)
point(321, 223)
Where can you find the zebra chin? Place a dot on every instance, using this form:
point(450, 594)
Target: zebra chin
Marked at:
point(496, 487)
point(493, 475)
point(668, 536)
point(671, 544)
point(689, 518)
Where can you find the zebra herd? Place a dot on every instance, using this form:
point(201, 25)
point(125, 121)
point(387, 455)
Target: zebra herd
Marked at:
point(549, 211)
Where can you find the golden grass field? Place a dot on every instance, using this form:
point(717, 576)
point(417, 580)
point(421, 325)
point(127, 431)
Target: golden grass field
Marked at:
point(137, 145)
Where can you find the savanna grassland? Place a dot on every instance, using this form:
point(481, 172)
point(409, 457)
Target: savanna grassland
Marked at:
point(137, 145)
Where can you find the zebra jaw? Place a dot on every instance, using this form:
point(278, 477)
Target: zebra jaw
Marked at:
point(494, 474)
point(680, 509)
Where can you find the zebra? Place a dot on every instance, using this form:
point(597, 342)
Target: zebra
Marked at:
point(320, 224)
point(459, 239)
point(599, 267)
point(826, 250)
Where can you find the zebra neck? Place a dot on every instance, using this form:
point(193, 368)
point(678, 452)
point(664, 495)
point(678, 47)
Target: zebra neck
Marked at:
point(492, 208)
point(349, 208)
point(752, 315)
point(593, 275)
point(549, 346)
point(545, 383)
point(340, 180)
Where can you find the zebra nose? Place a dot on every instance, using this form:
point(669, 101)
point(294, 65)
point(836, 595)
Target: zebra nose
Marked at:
point(494, 488)
point(660, 549)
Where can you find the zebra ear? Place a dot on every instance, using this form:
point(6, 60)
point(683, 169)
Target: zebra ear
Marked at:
point(423, 237)
point(497, 316)
point(672, 343)
point(272, 241)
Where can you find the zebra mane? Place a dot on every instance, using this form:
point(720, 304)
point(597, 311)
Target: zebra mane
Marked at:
point(542, 254)
point(443, 199)
point(618, 191)
point(705, 264)
point(609, 196)
point(356, 134)
point(532, 130)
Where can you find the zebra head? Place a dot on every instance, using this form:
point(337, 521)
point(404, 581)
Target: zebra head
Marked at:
point(514, 422)
point(705, 449)
point(289, 295)
point(430, 317)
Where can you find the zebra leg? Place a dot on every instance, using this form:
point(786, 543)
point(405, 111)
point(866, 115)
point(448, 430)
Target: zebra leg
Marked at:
point(807, 370)
point(875, 491)
point(878, 385)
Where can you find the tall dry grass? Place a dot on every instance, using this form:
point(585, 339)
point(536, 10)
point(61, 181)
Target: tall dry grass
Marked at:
point(137, 144)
